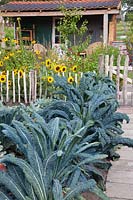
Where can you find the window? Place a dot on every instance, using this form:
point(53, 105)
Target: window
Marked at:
point(56, 34)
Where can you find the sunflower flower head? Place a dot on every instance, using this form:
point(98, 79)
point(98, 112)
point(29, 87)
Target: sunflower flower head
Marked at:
point(5, 39)
point(2, 78)
point(4, 72)
point(57, 68)
point(70, 79)
point(48, 62)
point(33, 42)
point(50, 79)
point(1, 63)
point(9, 83)
point(6, 58)
point(21, 72)
point(37, 52)
point(74, 68)
point(15, 41)
point(15, 72)
point(63, 69)
point(11, 54)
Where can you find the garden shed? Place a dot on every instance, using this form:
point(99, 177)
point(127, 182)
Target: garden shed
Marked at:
point(39, 19)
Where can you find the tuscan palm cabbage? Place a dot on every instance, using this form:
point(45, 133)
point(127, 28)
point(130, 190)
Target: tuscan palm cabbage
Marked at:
point(7, 114)
point(54, 164)
point(93, 101)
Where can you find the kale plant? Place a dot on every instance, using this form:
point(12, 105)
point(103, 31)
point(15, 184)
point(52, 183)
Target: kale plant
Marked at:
point(54, 164)
point(92, 101)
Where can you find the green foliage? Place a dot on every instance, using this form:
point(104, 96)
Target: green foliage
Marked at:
point(54, 163)
point(9, 32)
point(64, 147)
point(90, 63)
point(91, 102)
point(128, 2)
point(129, 34)
point(73, 39)
point(68, 26)
point(7, 114)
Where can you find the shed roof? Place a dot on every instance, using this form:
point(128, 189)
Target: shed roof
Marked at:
point(53, 5)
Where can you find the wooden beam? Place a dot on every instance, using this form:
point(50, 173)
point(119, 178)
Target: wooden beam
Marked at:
point(2, 33)
point(105, 29)
point(55, 13)
point(112, 29)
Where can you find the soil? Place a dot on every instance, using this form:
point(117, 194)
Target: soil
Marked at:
point(90, 196)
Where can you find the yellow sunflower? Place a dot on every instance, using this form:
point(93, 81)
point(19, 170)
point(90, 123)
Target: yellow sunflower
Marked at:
point(1, 63)
point(70, 79)
point(50, 79)
point(74, 68)
point(6, 58)
point(33, 42)
point(57, 68)
point(5, 39)
point(48, 62)
point(37, 52)
point(21, 72)
point(51, 66)
point(63, 69)
point(2, 78)
point(15, 72)
point(15, 41)
point(4, 73)
point(11, 54)
point(9, 83)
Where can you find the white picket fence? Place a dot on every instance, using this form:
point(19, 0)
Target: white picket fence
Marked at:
point(30, 86)
point(24, 89)
point(123, 76)
point(27, 88)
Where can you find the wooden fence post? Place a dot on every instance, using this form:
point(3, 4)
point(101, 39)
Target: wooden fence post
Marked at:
point(29, 86)
point(32, 85)
point(101, 64)
point(1, 90)
point(125, 80)
point(35, 83)
point(19, 94)
point(106, 65)
point(25, 88)
point(40, 89)
point(13, 85)
point(118, 77)
point(111, 67)
point(7, 86)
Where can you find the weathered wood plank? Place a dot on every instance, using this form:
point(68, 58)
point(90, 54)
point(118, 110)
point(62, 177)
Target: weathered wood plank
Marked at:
point(111, 67)
point(125, 80)
point(106, 65)
point(25, 88)
point(7, 86)
point(118, 77)
point(100, 65)
point(13, 86)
